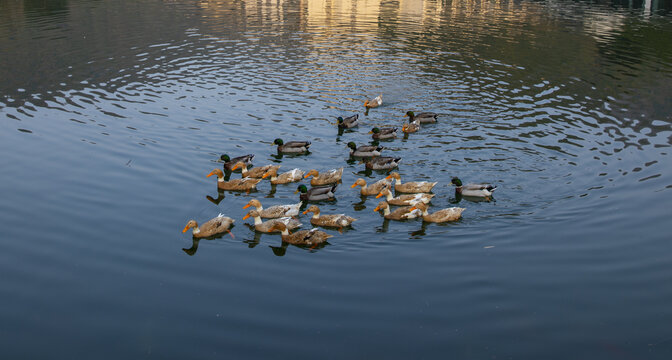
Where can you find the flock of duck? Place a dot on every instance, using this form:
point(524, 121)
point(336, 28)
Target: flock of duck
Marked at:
point(413, 198)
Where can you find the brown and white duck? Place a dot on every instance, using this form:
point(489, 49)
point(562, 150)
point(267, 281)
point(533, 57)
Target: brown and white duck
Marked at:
point(266, 226)
point(284, 178)
point(410, 187)
point(276, 211)
point(372, 189)
point(256, 173)
point(443, 215)
point(244, 184)
point(328, 177)
point(214, 226)
point(406, 199)
point(338, 221)
point(301, 237)
point(402, 213)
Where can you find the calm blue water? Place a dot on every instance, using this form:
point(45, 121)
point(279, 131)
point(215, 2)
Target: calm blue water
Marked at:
point(113, 112)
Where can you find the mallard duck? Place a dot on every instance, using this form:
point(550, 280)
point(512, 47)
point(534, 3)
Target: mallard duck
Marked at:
point(364, 150)
point(475, 190)
point(340, 220)
point(284, 178)
point(401, 213)
point(410, 187)
point(383, 133)
point(218, 225)
point(423, 117)
point(443, 215)
point(349, 122)
point(407, 199)
point(275, 211)
point(266, 226)
point(328, 177)
point(316, 193)
point(372, 189)
point(256, 172)
point(292, 147)
point(375, 102)
point(382, 163)
point(302, 237)
point(244, 184)
point(411, 127)
point(229, 162)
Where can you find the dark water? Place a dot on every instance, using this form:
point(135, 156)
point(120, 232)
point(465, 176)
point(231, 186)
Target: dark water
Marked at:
point(113, 112)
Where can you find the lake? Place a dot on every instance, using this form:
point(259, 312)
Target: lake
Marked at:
point(112, 113)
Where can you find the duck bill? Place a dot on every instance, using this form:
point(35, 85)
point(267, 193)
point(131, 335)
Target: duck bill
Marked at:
point(264, 176)
point(377, 208)
point(211, 173)
point(305, 212)
point(246, 216)
point(370, 132)
point(412, 208)
point(296, 191)
point(246, 206)
point(379, 195)
point(185, 229)
point(353, 185)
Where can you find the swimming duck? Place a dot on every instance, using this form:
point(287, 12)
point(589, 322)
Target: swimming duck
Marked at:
point(256, 172)
point(284, 178)
point(411, 127)
point(375, 102)
point(364, 150)
point(410, 187)
point(423, 117)
point(302, 237)
point(329, 177)
point(475, 190)
point(244, 184)
point(383, 133)
point(372, 189)
point(316, 193)
point(443, 215)
point(292, 147)
point(406, 199)
point(382, 163)
point(229, 162)
point(349, 122)
point(214, 226)
point(340, 220)
point(266, 226)
point(275, 211)
point(401, 213)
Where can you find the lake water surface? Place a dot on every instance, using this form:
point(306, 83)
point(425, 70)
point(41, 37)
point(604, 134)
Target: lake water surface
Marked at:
point(113, 112)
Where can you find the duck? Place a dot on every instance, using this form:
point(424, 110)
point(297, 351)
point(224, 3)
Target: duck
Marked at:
point(339, 220)
point(256, 172)
point(382, 163)
point(266, 226)
point(439, 216)
point(214, 226)
point(410, 187)
point(411, 127)
point(423, 117)
point(475, 190)
point(374, 103)
point(401, 213)
point(372, 189)
point(349, 122)
point(316, 193)
point(275, 211)
point(328, 177)
point(383, 133)
point(244, 184)
point(364, 150)
point(406, 199)
point(302, 237)
point(284, 178)
point(229, 162)
point(292, 147)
